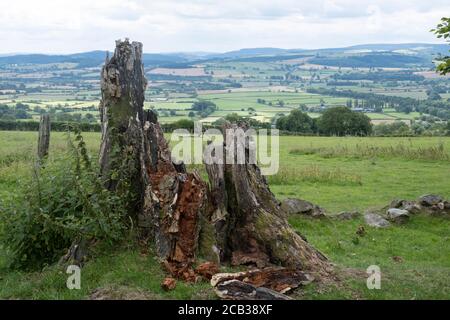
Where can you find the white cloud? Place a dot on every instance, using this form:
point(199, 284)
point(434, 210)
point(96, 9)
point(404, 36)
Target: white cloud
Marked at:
point(213, 25)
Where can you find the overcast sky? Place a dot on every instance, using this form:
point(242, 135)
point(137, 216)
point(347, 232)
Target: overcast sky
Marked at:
point(63, 26)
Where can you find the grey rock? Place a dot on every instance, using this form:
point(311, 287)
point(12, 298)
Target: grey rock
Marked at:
point(430, 200)
point(447, 205)
point(397, 215)
point(412, 207)
point(348, 215)
point(298, 206)
point(397, 203)
point(375, 220)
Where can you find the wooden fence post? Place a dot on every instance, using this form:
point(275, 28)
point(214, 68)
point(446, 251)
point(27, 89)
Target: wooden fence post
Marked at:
point(44, 136)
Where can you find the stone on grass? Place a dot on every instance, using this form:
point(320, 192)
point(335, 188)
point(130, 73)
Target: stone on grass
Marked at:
point(298, 206)
point(375, 220)
point(348, 215)
point(412, 207)
point(397, 203)
point(430, 200)
point(397, 215)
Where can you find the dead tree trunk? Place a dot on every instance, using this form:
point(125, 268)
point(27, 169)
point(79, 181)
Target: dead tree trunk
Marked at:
point(121, 110)
point(173, 203)
point(44, 136)
point(249, 224)
point(135, 158)
point(167, 203)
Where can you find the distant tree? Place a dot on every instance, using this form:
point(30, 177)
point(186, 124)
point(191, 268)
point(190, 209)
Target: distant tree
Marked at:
point(172, 112)
point(342, 121)
point(191, 114)
point(443, 31)
point(397, 128)
point(233, 117)
point(22, 114)
point(349, 103)
point(204, 108)
point(433, 95)
point(22, 106)
point(183, 124)
point(89, 117)
point(296, 121)
point(303, 107)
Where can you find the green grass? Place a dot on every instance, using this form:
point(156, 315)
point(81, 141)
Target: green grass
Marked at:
point(126, 270)
point(422, 245)
point(311, 168)
point(382, 177)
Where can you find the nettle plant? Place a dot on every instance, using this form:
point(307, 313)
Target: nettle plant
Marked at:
point(63, 200)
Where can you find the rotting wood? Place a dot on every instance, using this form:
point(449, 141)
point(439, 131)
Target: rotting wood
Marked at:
point(251, 229)
point(282, 280)
point(239, 290)
point(134, 153)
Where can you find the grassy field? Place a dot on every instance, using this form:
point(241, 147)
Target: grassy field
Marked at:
point(336, 173)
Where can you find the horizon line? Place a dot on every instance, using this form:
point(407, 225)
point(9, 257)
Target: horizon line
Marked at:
point(4, 54)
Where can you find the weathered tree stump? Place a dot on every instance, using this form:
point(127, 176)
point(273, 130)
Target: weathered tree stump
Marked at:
point(165, 201)
point(170, 205)
point(44, 136)
point(250, 226)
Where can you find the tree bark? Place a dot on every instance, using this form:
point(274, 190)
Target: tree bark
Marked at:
point(173, 203)
point(44, 136)
point(135, 159)
point(250, 227)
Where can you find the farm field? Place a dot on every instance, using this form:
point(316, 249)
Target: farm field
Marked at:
point(244, 103)
point(338, 174)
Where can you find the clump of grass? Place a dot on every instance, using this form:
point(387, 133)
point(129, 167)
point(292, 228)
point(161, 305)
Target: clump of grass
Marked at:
point(9, 159)
point(365, 151)
point(314, 173)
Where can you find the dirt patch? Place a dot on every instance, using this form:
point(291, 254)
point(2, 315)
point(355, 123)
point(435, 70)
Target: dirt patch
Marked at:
point(122, 293)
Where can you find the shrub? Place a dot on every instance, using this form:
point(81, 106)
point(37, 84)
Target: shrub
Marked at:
point(64, 200)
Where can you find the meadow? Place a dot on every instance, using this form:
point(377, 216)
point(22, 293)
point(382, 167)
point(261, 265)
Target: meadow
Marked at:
point(338, 174)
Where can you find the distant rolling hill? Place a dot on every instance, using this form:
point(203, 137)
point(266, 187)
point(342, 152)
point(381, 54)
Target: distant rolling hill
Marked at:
point(89, 59)
point(372, 60)
point(368, 55)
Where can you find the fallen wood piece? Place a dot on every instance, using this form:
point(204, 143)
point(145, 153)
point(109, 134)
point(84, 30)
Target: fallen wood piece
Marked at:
point(207, 269)
point(282, 280)
point(168, 284)
point(239, 290)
